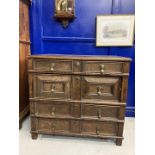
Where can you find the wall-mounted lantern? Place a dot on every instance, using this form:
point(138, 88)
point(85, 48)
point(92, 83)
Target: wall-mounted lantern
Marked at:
point(64, 11)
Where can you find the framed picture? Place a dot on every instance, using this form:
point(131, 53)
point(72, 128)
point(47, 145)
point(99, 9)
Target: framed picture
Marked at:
point(64, 11)
point(115, 30)
point(64, 6)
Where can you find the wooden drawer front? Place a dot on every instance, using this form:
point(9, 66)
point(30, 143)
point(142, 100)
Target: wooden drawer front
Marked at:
point(102, 67)
point(60, 109)
point(75, 126)
point(53, 125)
point(107, 128)
point(99, 128)
point(76, 110)
point(53, 65)
point(106, 88)
point(99, 111)
point(52, 86)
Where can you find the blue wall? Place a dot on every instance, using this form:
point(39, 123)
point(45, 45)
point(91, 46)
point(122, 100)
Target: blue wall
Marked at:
point(48, 36)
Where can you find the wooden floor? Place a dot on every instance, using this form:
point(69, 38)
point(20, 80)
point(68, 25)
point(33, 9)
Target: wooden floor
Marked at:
point(57, 145)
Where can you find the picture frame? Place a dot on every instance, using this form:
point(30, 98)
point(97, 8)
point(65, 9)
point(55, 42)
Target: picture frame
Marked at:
point(115, 30)
point(64, 11)
point(64, 6)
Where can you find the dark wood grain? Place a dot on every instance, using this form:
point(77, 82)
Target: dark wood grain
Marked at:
point(76, 88)
point(76, 98)
point(24, 51)
point(119, 134)
point(124, 89)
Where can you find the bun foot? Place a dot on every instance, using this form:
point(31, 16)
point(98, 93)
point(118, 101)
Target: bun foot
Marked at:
point(118, 142)
point(20, 125)
point(34, 135)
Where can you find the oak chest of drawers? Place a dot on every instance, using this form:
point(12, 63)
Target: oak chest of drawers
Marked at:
point(78, 95)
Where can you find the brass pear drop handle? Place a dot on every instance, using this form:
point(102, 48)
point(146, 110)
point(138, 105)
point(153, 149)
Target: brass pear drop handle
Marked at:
point(102, 68)
point(53, 111)
point(52, 89)
point(99, 90)
point(97, 130)
point(52, 67)
point(99, 114)
point(53, 127)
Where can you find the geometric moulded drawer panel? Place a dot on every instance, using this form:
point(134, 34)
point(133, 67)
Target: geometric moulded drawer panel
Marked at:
point(99, 66)
point(55, 109)
point(105, 88)
point(58, 66)
point(99, 111)
point(99, 128)
point(47, 86)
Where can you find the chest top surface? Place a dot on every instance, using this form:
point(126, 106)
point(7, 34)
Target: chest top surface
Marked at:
point(80, 57)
